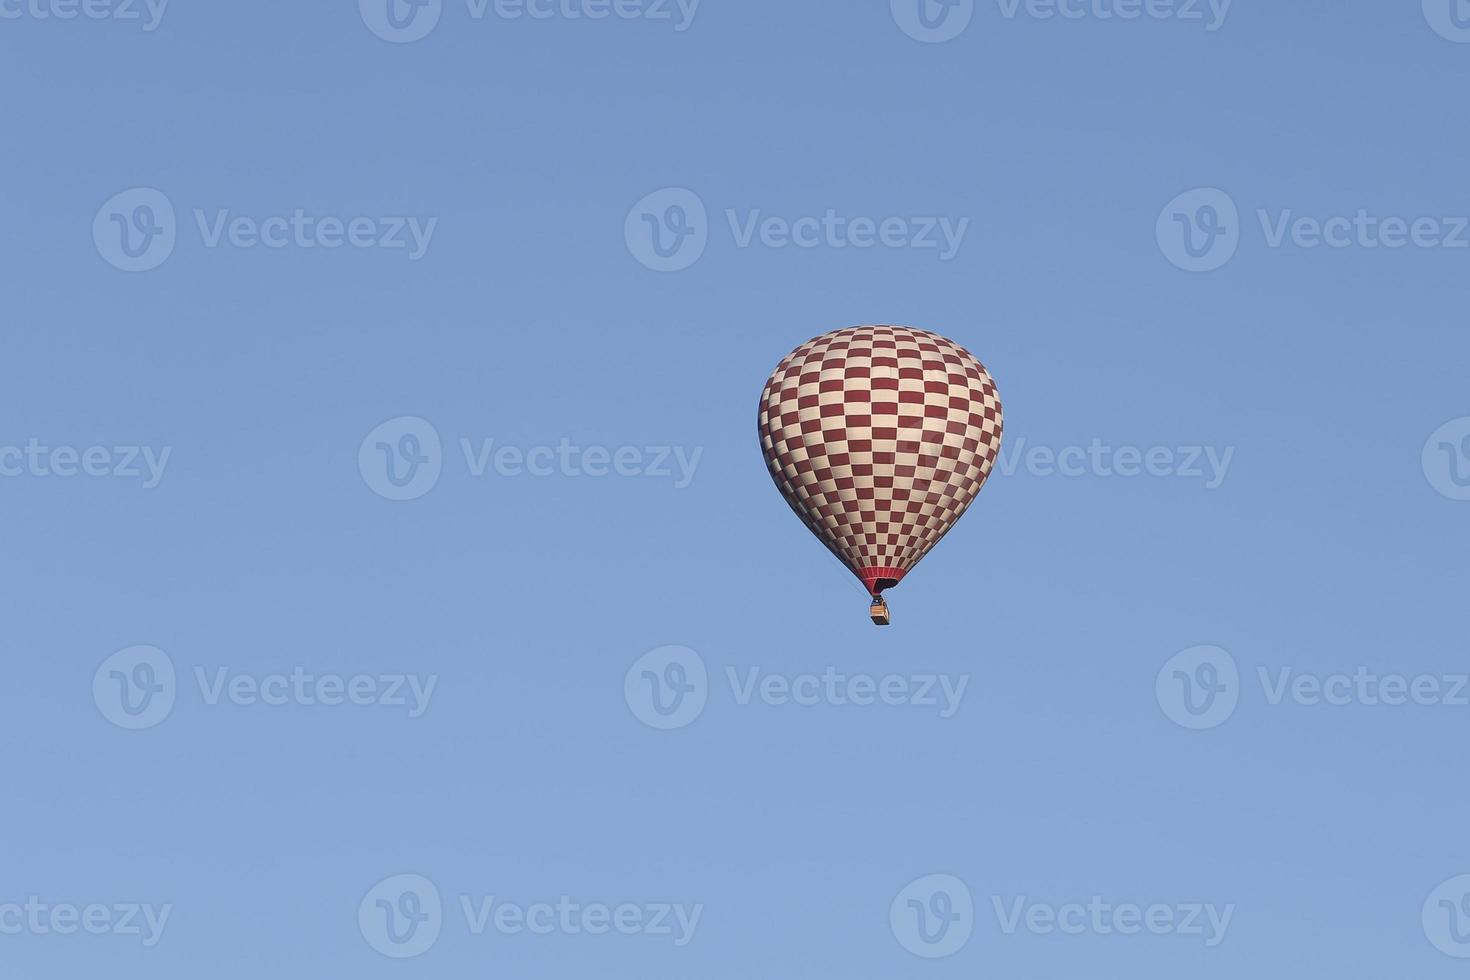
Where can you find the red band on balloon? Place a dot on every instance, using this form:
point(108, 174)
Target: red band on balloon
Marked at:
point(878, 579)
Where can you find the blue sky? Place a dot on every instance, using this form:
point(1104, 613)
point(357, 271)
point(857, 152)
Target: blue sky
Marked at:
point(395, 585)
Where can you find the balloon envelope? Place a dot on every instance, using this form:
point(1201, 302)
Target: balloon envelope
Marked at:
point(879, 437)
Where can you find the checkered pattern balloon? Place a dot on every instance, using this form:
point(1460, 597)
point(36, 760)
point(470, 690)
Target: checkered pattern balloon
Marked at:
point(879, 437)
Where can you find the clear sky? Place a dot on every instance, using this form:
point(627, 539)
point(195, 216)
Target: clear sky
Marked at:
point(382, 496)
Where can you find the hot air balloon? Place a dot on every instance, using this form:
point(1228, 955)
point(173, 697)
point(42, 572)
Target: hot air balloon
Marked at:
point(879, 437)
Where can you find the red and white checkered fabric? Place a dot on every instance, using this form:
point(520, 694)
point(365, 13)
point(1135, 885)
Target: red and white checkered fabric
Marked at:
point(879, 437)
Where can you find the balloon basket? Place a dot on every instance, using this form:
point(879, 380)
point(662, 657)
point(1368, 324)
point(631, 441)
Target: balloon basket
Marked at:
point(879, 611)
